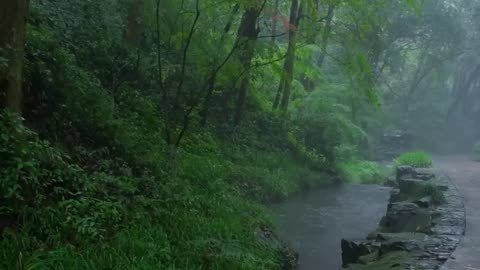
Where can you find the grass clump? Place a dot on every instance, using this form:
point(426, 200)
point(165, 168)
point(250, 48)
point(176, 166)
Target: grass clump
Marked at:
point(430, 190)
point(265, 176)
point(417, 159)
point(361, 172)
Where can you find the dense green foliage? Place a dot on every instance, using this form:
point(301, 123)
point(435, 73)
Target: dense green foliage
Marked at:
point(418, 159)
point(153, 131)
point(119, 220)
point(363, 172)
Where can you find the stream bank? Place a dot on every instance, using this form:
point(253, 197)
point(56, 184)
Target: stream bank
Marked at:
point(314, 222)
point(419, 230)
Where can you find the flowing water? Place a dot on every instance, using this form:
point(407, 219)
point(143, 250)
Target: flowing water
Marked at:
point(315, 222)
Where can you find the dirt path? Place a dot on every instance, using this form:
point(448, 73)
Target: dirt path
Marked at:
point(465, 173)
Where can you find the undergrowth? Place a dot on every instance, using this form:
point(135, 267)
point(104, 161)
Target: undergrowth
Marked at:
point(361, 172)
point(124, 222)
point(432, 191)
point(416, 159)
point(86, 179)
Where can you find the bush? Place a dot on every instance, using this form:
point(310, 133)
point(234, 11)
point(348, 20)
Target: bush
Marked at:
point(265, 176)
point(46, 194)
point(119, 221)
point(430, 190)
point(417, 159)
point(361, 172)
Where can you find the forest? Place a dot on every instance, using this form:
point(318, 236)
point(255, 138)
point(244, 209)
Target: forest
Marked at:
point(153, 134)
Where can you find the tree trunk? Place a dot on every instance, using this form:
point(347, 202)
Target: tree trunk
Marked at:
point(276, 102)
point(135, 33)
point(13, 22)
point(288, 68)
point(204, 112)
point(247, 39)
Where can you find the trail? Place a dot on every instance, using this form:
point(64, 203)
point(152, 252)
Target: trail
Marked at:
point(465, 173)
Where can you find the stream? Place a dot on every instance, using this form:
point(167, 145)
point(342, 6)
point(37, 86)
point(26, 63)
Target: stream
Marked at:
point(314, 222)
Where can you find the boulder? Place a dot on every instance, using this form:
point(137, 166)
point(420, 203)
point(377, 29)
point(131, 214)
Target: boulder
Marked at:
point(409, 242)
point(369, 258)
point(406, 217)
point(391, 181)
point(410, 186)
point(288, 258)
point(424, 173)
point(424, 202)
point(442, 187)
point(352, 251)
point(405, 171)
point(395, 195)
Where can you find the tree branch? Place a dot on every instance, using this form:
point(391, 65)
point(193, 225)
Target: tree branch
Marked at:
point(185, 50)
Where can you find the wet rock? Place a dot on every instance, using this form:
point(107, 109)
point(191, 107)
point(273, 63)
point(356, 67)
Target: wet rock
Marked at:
point(424, 173)
point(396, 245)
point(406, 217)
point(368, 258)
point(441, 226)
point(405, 171)
point(403, 236)
point(410, 186)
point(352, 251)
point(395, 195)
point(425, 202)
point(391, 181)
point(407, 242)
point(289, 258)
point(442, 187)
point(373, 235)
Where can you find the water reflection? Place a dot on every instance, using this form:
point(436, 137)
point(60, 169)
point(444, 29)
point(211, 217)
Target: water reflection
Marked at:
point(316, 221)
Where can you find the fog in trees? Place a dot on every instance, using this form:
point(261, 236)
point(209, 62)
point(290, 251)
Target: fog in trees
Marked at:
point(161, 134)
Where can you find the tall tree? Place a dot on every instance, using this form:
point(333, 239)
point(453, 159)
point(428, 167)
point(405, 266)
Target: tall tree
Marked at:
point(13, 21)
point(283, 94)
point(135, 32)
point(246, 39)
point(204, 113)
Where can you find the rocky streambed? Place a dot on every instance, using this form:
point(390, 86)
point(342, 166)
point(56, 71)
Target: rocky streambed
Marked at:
point(424, 223)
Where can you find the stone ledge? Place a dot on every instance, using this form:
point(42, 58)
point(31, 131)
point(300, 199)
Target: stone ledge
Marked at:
point(427, 250)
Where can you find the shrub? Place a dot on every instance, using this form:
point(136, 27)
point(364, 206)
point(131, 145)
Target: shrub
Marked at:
point(416, 159)
point(430, 190)
point(361, 172)
point(49, 196)
point(119, 221)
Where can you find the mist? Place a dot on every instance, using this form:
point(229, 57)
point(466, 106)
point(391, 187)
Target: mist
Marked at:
point(239, 134)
